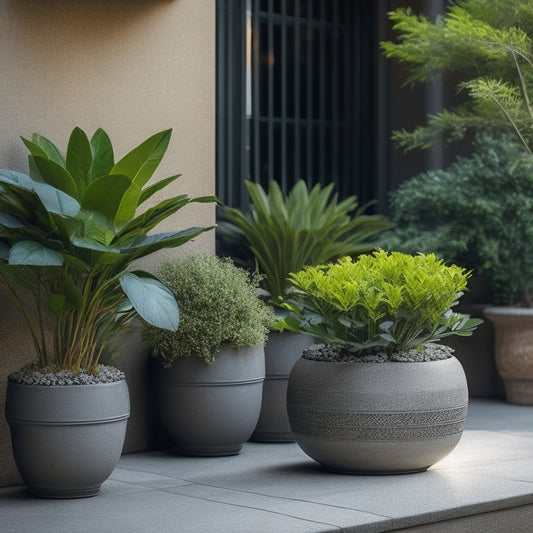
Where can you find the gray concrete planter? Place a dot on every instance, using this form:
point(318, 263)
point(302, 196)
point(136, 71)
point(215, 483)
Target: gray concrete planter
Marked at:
point(282, 350)
point(67, 439)
point(211, 410)
point(377, 418)
point(513, 351)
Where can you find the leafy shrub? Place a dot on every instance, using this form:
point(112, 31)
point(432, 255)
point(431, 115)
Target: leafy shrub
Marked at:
point(478, 213)
point(303, 228)
point(384, 302)
point(218, 305)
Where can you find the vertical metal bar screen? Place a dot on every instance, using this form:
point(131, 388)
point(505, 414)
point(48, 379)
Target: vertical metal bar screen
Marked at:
point(311, 114)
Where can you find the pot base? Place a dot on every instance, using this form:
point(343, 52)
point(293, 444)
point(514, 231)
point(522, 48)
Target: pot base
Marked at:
point(519, 391)
point(365, 457)
point(63, 494)
point(207, 451)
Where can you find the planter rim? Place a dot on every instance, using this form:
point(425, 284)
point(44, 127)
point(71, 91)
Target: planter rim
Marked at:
point(57, 385)
point(67, 404)
point(509, 311)
point(109, 372)
point(377, 363)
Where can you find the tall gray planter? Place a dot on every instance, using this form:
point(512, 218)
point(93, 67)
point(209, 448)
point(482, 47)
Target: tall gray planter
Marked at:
point(211, 410)
point(377, 418)
point(67, 439)
point(282, 350)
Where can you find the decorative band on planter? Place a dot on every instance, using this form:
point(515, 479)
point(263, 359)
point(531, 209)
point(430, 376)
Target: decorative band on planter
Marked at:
point(377, 418)
point(67, 439)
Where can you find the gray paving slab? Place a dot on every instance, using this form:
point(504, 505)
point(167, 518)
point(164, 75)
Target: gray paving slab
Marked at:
point(276, 487)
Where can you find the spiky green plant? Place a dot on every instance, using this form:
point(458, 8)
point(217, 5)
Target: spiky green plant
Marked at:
point(488, 47)
point(305, 227)
point(381, 302)
point(218, 305)
point(69, 234)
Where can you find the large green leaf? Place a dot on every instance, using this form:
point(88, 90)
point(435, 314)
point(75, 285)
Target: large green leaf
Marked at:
point(154, 302)
point(148, 220)
point(96, 226)
point(105, 194)
point(140, 164)
point(150, 191)
point(33, 254)
point(66, 227)
point(54, 200)
point(89, 244)
point(79, 158)
point(152, 243)
point(9, 221)
point(34, 148)
point(102, 153)
point(56, 176)
point(128, 205)
point(49, 148)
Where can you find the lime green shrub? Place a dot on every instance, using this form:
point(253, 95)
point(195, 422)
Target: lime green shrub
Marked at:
point(383, 302)
point(218, 305)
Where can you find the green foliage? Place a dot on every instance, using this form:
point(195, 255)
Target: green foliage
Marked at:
point(306, 227)
point(384, 302)
point(488, 45)
point(70, 232)
point(218, 305)
point(478, 213)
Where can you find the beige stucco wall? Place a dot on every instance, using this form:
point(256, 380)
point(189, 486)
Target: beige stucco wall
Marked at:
point(132, 67)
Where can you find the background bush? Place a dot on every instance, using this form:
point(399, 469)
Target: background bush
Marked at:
point(477, 213)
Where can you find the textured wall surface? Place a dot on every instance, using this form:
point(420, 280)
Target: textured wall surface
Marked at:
point(132, 67)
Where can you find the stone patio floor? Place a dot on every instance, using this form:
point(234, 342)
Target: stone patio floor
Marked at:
point(485, 485)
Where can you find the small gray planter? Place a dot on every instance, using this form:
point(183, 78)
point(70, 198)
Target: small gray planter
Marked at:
point(67, 439)
point(282, 350)
point(211, 410)
point(377, 418)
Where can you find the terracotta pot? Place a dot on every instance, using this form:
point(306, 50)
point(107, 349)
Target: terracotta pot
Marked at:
point(211, 410)
point(377, 418)
point(282, 350)
point(67, 439)
point(513, 351)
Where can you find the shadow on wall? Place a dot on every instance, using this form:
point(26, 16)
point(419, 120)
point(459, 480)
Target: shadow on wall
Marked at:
point(17, 350)
point(98, 19)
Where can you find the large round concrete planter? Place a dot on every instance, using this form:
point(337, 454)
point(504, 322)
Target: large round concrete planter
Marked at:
point(513, 351)
point(377, 418)
point(67, 439)
point(282, 350)
point(211, 410)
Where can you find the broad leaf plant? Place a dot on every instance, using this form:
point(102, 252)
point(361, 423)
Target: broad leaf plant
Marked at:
point(69, 233)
